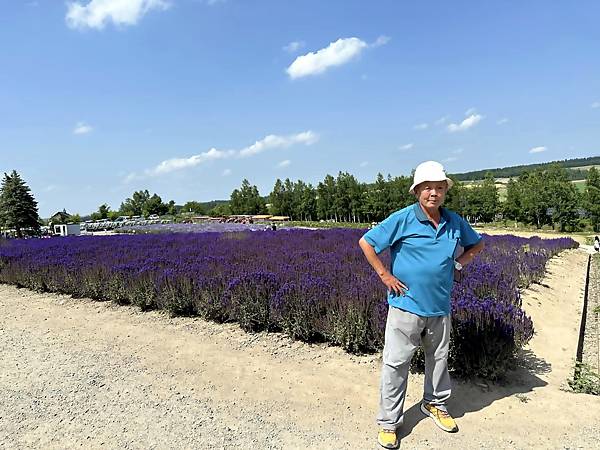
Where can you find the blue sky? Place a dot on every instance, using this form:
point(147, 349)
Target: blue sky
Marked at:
point(186, 98)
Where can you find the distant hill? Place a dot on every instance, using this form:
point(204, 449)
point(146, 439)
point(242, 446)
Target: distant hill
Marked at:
point(578, 168)
point(210, 205)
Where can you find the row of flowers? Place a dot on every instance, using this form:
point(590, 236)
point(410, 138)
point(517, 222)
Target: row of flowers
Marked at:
point(313, 285)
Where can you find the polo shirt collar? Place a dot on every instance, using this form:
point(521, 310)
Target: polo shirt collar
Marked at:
point(421, 217)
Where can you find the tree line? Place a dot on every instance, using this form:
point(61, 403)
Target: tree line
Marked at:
point(540, 197)
point(574, 165)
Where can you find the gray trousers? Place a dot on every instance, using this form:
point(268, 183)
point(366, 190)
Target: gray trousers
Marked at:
point(404, 332)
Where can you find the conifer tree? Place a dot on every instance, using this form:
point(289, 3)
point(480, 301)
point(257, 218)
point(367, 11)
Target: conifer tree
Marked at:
point(18, 208)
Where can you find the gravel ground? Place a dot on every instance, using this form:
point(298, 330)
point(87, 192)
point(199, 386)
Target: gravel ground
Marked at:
point(61, 388)
point(591, 343)
point(83, 374)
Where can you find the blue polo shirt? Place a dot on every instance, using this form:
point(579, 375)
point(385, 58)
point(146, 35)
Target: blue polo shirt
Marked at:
point(422, 257)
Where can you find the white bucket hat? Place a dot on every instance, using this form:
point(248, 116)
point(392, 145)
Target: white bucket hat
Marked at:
point(429, 171)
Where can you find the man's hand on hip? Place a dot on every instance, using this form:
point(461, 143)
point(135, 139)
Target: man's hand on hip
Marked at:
point(393, 284)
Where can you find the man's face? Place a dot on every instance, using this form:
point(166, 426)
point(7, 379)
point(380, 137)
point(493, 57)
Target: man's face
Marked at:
point(431, 194)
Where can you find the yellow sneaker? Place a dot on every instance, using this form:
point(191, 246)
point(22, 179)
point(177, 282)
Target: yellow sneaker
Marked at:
point(440, 416)
point(388, 438)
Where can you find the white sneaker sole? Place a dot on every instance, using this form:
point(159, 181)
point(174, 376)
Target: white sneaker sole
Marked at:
point(439, 425)
point(389, 447)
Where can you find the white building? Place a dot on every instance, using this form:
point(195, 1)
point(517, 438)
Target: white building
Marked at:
point(70, 229)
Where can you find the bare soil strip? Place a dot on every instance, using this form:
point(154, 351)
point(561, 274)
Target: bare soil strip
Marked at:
point(591, 342)
point(78, 373)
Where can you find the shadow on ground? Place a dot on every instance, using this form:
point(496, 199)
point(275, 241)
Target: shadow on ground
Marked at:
point(475, 395)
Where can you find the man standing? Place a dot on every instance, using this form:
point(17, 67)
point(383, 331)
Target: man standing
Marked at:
point(423, 240)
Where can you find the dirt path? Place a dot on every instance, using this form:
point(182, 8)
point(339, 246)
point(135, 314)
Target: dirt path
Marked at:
point(546, 234)
point(81, 374)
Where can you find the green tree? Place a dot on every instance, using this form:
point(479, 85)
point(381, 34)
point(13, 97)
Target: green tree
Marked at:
point(102, 213)
point(277, 198)
point(512, 208)
point(563, 198)
point(172, 208)
point(534, 198)
point(482, 201)
point(457, 198)
point(308, 202)
point(326, 191)
point(219, 210)
point(398, 193)
point(103, 210)
point(247, 200)
point(490, 203)
point(355, 195)
point(544, 197)
point(592, 197)
point(236, 202)
point(193, 207)
point(134, 206)
point(288, 207)
point(154, 205)
point(18, 207)
point(296, 199)
point(343, 196)
point(379, 198)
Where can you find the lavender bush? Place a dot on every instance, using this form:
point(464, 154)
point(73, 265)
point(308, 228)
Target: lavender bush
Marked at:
point(312, 285)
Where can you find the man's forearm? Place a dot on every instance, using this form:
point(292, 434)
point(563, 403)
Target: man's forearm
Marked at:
point(372, 257)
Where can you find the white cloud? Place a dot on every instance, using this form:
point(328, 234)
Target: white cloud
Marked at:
point(97, 13)
point(502, 121)
point(82, 128)
point(294, 46)
point(595, 105)
point(441, 120)
point(269, 142)
point(381, 40)
point(171, 165)
point(337, 53)
point(450, 159)
point(458, 151)
point(470, 111)
point(274, 141)
point(469, 122)
point(538, 149)
point(421, 126)
point(284, 163)
point(407, 146)
point(131, 177)
point(364, 164)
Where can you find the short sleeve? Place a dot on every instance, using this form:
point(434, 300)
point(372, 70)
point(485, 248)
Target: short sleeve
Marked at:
point(385, 234)
point(468, 236)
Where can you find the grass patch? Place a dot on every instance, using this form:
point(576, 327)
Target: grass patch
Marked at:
point(585, 380)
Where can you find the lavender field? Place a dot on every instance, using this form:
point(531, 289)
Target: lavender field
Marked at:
point(312, 285)
point(205, 227)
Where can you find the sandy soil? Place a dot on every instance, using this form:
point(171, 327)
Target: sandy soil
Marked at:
point(82, 374)
point(591, 344)
point(581, 238)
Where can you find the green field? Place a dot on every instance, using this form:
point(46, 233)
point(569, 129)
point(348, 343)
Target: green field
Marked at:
point(580, 185)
